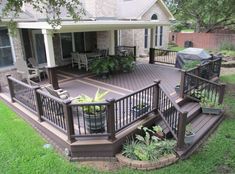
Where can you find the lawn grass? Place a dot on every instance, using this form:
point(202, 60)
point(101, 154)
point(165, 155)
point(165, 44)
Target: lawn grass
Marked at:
point(228, 79)
point(228, 53)
point(21, 149)
point(176, 48)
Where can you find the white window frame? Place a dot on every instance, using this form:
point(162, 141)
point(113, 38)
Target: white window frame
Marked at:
point(12, 52)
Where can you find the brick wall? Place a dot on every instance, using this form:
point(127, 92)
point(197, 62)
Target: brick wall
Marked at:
point(202, 40)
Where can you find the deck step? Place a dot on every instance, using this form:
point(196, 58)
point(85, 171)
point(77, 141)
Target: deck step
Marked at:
point(203, 126)
point(193, 109)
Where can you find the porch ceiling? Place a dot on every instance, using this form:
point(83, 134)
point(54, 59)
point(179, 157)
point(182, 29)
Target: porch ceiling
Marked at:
point(82, 26)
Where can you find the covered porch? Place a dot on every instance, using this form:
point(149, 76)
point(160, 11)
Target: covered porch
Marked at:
point(52, 48)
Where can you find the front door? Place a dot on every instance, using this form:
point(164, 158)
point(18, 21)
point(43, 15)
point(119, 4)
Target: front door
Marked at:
point(39, 47)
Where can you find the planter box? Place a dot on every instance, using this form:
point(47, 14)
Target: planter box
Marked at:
point(138, 112)
point(211, 111)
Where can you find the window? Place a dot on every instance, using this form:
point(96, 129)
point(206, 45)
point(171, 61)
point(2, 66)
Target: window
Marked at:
point(146, 38)
point(161, 35)
point(79, 42)
point(154, 17)
point(6, 58)
point(67, 44)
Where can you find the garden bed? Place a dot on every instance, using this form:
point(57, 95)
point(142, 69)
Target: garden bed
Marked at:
point(147, 165)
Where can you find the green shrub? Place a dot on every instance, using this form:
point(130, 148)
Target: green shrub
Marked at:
point(190, 64)
point(226, 45)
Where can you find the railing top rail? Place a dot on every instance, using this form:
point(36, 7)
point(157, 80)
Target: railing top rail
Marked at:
point(22, 83)
point(50, 96)
point(200, 78)
point(173, 102)
point(126, 96)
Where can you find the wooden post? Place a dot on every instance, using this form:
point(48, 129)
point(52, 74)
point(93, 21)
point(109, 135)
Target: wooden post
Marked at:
point(221, 93)
point(111, 119)
point(53, 77)
point(156, 96)
point(69, 120)
point(135, 53)
point(38, 104)
point(11, 88)
point(151, 55)
point(182, 123)
point(182, 83)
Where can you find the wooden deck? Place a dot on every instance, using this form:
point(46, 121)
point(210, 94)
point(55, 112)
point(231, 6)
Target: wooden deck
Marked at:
point(119, 84)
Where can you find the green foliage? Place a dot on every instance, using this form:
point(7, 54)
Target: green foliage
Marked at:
point(126, 64)
point(104, 66)
point(147, 147)
point(99, 97)
point(210, 103)
point(157, 128)
point(189, 129)
point(140, 106)
point(51, 8)
point(190, 64)
point(226, 45)
point(205, 15)
point(230, 79)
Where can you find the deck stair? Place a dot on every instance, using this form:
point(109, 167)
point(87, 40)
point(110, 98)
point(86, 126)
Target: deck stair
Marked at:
point(203, 125)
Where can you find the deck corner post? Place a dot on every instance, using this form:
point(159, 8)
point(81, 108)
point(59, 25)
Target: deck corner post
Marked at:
point(38, 103)
point(69, 120)
point(182, 123)
point(151, 55)
point(156, 92)
point(111, 119)
point(182, 83)
point(221, 93)
point(11, 88)
point(135, 53)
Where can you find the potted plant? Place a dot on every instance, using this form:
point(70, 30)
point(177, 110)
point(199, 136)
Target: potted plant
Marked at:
point(103, 67)
point(127, 64)
point(94, 115)
point(177, 89)
point(189, 134)
point(140, 109)
point(210, 107)
point(159, 132)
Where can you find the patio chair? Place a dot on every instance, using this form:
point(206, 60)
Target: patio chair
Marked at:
point(75, 59)
point(27, 73)
point(33, 63)
point(59, 93)
point(104, 53)
point(84, 62)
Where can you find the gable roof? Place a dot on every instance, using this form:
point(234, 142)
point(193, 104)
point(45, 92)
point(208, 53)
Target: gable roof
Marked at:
point(135, 9)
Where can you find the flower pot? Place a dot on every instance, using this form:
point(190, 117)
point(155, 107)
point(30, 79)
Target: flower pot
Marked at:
point(212, 111)
point(139, 111)
point(95, 123)
point(177, 88)
point(188, 139)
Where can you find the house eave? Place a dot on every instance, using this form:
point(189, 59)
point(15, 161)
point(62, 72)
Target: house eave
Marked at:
point(81, 26)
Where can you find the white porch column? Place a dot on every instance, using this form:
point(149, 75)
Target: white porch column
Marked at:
point(112, 42)
point(49, 48)
point(152, 37)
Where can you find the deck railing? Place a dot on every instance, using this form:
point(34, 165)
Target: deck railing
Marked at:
point(126, 51)
point(85, 119)
point(198, 88)
point(22, 93)
point(174, 118)
point(134, 106)
point(162, 56)
point(208, 70)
